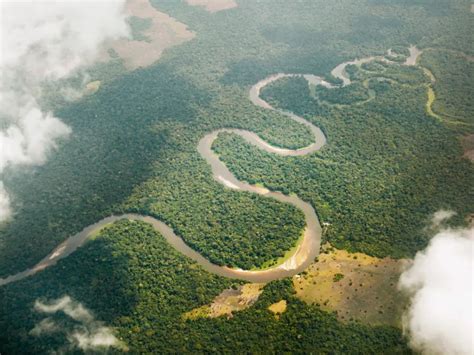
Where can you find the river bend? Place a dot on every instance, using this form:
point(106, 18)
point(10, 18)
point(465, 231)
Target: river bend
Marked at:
point(308, 247)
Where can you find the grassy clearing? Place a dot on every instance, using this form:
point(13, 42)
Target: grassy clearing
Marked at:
point(278, 308)
point(367, 291)
point(447, 119)
point(92, 87)
point(162, 32)
point(429, 104)
point(229, 301)
point(213, 5)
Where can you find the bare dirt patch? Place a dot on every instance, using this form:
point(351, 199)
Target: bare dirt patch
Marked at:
point(213, 5)
point(467, 143)
point(355, 285)
point(164, 32)
point(229, 301)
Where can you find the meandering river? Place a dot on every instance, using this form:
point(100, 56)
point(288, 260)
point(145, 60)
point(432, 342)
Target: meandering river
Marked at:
point(308, 247)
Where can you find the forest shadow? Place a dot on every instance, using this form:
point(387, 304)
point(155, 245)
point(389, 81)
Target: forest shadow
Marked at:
point(111, 150)
point(95, 276)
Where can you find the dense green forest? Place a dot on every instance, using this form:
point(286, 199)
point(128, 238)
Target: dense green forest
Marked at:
point(344, 96)
point(139, 131)
point(366, 182)
point(387, 166)
point(451, 86)
point(134, 282)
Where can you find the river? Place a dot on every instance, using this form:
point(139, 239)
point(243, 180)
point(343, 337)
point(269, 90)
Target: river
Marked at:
point(308, 247)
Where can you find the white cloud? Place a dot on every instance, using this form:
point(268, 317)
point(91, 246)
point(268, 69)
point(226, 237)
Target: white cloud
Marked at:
point(53, 38)
point(31, 137)
point(45, 41)
point(440, 280)
point(46, 326)
point(87, 334)
point(5, 210)
point(65, 304)
point(440, 217)
point(98, 338)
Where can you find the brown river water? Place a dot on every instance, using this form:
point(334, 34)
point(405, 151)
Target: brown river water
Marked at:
point(308, 247)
